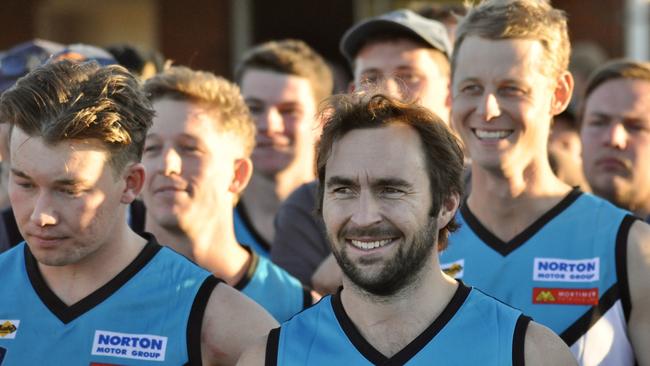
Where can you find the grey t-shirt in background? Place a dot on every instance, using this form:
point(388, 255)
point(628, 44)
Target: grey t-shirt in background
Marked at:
point(300, 243)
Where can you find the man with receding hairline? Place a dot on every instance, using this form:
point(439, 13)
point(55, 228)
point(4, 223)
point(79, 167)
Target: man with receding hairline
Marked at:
point(572, 261)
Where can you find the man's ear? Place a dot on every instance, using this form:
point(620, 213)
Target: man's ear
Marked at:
point(243, 173)
point(448, 210)
point(562, 93)
point(133, 176)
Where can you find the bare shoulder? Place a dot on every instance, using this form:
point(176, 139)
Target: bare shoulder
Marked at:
point(638, 271)
point(543, 347)
point(232, 322)
point(255, 355)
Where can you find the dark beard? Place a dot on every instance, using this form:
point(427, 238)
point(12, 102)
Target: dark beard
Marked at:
point(401, 271)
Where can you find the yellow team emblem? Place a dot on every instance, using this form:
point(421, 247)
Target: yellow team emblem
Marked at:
point(545, 296)
point(453, 270)
point(7, 328)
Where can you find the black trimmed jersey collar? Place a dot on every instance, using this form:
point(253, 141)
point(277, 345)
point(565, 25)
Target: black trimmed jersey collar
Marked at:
point(67, 313)
point(243, 213)
point(504, 248)
point(250, 272)
point(408, 352)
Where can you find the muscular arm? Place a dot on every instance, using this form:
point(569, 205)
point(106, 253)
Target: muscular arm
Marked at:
point(231, 323)
point(638, 267)
point(543, 347)
point(255, 355)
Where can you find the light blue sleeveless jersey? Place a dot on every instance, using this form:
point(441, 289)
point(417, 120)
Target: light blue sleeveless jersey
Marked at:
point(281, 294)
point(149, 314)
point(245, 232)
point(474, 329)
point(567, 271)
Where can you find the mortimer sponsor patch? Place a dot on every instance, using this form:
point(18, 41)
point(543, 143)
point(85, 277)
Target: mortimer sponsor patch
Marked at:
point(565, 296)
point(8, 328)
point(125, 345)
point(454, 269)
point(566, 270)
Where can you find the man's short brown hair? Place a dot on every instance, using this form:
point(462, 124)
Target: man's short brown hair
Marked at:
point(615, 69)
point(66, 100)
point(292, 57)
point(219, 97)
point(442, 149)
point(520, 19)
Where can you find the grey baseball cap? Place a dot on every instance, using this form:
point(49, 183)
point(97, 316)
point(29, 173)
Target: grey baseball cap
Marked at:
point(399, 21)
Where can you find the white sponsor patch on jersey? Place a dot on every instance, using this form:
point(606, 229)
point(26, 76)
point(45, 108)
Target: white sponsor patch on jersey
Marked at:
point(9, 328)
point(454, 269)
point(125, 345)
point(566, 270)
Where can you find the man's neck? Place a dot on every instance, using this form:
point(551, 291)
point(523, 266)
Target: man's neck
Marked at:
point(518, 198)
point(214, 248)
point(390, 324)
point(72, 283)
point(264, 195)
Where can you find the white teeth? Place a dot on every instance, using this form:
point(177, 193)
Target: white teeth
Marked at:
point(485, 134)
point(366, 245)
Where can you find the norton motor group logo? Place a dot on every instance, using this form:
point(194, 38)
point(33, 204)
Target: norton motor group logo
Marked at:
point(126, 345)
point(8, 328)
point(566, 270)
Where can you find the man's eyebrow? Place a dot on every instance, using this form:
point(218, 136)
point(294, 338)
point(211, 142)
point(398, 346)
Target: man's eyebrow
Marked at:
point(392, 182)
point(340, 181)
point(19, 173)
point(67, 182)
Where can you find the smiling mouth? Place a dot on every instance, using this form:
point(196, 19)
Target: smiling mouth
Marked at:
point(368, 245)
point(491, 134)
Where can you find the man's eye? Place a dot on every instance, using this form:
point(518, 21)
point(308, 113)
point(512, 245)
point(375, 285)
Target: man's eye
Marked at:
point(369, 80)
point(70, 192)
point(151, 149)
point(342, 192)
point(24, 185)
point(255, 109)
point(472, 89)
point(409, 77)
point(512, 91)
point(392, 192)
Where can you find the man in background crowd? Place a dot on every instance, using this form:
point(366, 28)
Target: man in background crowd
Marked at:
point(615, 135)
point(197, 160)
point(282, 83)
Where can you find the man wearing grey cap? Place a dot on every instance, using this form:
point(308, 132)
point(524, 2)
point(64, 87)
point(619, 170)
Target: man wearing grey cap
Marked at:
point(404, 54)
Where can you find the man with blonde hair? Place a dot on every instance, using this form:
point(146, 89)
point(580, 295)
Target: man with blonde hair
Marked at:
point(197, 156)
point(92, 291)
point(572, 261)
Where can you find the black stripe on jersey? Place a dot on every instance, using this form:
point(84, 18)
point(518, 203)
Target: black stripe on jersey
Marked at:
point(67, 313)
point(272, 345)
point(404, 355)
point(518, 340)
point(307, 300)
point(505, 248)
point(252, 267)
point(241, 209)
point(621, 263)
point(195, 320)
point(588, 319)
